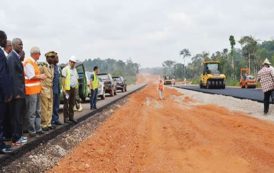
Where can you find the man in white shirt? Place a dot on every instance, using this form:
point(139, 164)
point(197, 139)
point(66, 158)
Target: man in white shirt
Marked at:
point(33, 80)
point(69, 86)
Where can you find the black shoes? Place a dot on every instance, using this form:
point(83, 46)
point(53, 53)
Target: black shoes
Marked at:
point(52, 127)
point(58, 123)
point(6, 150)
point(73, 121)
point(45, 129)
point(40, 132)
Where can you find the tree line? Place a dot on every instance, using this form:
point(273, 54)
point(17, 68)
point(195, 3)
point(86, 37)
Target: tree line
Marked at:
point(128, 69)
point(250, 54)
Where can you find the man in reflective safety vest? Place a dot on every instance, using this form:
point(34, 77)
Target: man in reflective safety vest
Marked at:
point(94, 85)
point(33, 80)
point(69, 85)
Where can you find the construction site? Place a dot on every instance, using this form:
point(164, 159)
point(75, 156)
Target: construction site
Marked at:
point(137, 86)
point(187, 131)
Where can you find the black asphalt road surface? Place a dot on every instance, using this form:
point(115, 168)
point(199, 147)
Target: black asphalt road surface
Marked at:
point(250, 94)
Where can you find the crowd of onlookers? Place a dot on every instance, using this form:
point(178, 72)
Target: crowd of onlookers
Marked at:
point(29, 93)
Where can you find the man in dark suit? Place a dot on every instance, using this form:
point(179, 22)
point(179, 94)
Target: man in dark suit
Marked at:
point(5, 93)
point(17, 104)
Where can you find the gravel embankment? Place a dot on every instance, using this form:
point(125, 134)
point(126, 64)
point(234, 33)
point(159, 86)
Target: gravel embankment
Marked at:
point(251, 108)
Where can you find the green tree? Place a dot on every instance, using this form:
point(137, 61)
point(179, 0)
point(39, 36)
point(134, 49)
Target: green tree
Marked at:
point(232, 44)
point(168, 67)
point(249, 48)
point(185, 53)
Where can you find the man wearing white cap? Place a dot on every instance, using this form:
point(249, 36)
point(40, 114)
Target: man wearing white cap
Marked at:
point(266, 78)
point(69, 85)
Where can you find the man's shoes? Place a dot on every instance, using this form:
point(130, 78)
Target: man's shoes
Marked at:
point(66, 121)
point(32, 134)
point(6, 150)
point(73, 120)
point(45, 129)
point(20, 142)
point(40, 132)
point(52, 127)
point(5, 139)
point(58, 123)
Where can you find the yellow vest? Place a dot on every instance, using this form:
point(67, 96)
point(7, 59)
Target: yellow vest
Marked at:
point(67, 79)
point(95, 82)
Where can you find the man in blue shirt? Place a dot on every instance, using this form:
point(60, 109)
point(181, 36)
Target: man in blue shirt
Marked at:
point(56, 90)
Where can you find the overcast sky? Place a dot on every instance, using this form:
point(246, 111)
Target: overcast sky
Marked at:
point(147, 31)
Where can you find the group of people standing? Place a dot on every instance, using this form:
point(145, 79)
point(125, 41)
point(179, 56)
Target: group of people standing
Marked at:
point(29, 93)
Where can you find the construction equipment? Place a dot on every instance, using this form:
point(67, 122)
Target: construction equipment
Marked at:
point(247, 80)
point(212, 77)
point(167, 80)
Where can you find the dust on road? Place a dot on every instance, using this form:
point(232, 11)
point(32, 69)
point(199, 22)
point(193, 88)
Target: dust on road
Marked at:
point(174, 135)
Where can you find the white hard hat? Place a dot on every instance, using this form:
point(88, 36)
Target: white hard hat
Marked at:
point(266, 61)
point(73, 59)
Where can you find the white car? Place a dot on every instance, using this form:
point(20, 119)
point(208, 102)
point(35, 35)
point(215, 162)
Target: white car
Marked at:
point(101, 89)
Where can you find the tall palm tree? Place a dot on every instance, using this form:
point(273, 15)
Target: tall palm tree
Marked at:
point(232, 44)
point(185, 53)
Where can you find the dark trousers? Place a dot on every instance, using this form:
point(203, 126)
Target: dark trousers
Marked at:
point(69, 104)
point(266, 100)
point(55, 116)
point(2, 116)
point(93, 98)
point(16, 112)
point(7, 123)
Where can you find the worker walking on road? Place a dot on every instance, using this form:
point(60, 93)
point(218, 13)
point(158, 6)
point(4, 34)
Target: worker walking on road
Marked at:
point(69, 85)
point(94, 85)
point(266, 78)
point(33, 79)
point(160, 89)
point(46, 92)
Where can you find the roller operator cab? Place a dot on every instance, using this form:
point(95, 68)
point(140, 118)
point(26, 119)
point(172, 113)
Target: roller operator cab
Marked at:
point(246, 79)
point(212, 77)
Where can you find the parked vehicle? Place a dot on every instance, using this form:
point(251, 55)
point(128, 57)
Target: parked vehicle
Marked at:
point(101, 89)
point(109, 83)
point(120, 83)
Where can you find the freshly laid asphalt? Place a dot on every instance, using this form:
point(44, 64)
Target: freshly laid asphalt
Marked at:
point(250, 94)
